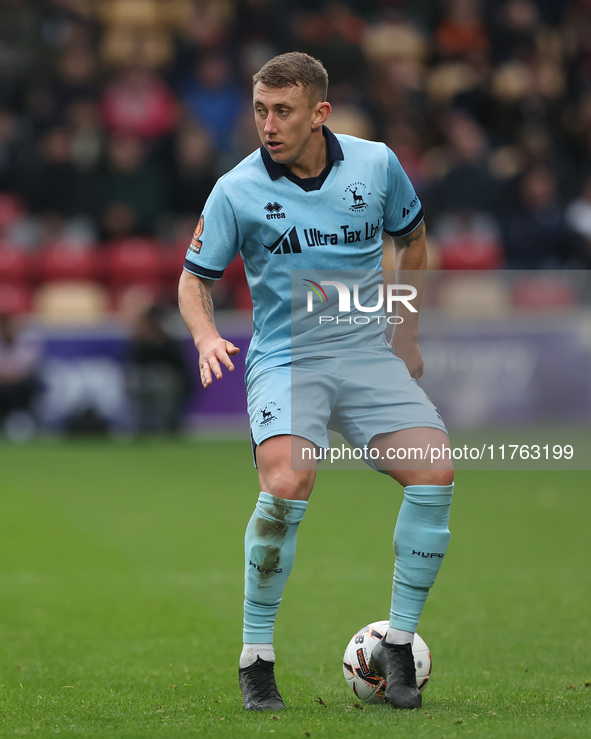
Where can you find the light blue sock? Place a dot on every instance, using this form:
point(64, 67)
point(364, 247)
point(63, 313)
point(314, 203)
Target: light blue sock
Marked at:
point(269, 552)
point(420, 542)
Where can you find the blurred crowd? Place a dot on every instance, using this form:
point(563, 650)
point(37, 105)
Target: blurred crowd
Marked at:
point(117, 117)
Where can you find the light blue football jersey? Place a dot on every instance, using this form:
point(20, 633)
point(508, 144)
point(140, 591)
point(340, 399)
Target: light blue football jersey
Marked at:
point(279, 224)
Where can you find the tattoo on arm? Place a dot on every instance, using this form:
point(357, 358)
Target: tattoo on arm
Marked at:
point(410, 238)
point(206, 303)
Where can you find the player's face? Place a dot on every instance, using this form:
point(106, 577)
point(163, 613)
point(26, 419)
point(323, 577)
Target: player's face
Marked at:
point(285, 119)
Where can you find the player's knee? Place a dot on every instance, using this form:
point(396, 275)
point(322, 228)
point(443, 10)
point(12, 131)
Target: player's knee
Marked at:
point(288, 484)
point(441, 477)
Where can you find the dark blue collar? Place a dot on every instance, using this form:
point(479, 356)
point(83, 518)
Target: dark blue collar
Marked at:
point(334, 153)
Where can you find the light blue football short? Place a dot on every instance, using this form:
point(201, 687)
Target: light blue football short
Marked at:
point(358, 396)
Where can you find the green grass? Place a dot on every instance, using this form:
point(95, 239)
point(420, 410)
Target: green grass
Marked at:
point(121, 592)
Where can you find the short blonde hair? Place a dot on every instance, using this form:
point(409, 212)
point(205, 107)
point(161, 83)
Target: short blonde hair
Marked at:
point(295, 69)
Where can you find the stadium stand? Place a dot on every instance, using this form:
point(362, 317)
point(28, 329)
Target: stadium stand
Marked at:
point(116, 118)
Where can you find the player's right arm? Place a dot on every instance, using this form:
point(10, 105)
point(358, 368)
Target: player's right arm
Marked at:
point(196, 306)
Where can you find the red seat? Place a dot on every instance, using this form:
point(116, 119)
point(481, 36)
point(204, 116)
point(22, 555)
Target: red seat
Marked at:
point(13, 264)
point(543, 292)
point(471, 251)
point(133, 261)
point(64, 261)
point(11, 210)
point(235, 277)
point(15, 298)
point(172, 258)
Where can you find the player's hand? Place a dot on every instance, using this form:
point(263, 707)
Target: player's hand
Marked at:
point(410, 353)
point(212, 356)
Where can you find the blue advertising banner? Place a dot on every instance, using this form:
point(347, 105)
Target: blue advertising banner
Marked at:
point(501, 375)
point(478, 375)
point(88, 369)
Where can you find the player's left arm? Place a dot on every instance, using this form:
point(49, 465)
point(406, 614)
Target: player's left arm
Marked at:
point(411, 265)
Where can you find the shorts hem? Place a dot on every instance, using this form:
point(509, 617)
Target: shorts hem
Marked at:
point(413, 425)
point(286, 432)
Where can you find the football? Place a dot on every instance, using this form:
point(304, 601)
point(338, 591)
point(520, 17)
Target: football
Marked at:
point(367, 685)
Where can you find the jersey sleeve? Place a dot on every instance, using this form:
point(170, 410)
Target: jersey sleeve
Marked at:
point(403, 211)
point(217, 240)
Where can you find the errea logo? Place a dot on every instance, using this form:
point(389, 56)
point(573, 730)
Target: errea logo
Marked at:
point(274, 211)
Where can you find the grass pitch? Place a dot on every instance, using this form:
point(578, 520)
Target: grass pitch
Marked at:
point(121, 592)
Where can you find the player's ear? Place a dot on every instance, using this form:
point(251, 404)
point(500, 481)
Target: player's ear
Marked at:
point(321, 113)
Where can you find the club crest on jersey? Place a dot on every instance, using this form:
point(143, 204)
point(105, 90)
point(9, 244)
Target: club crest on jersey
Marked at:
point(356, 194)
